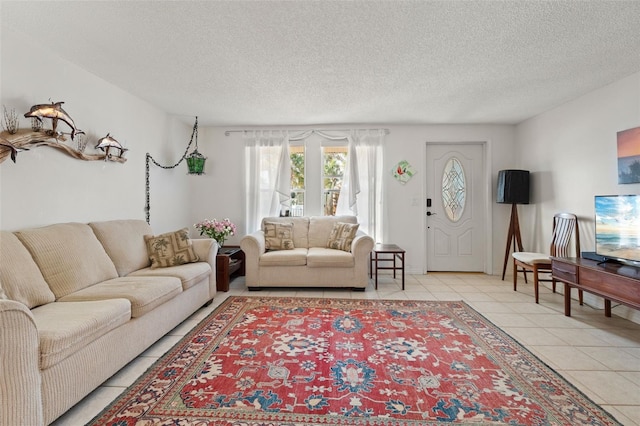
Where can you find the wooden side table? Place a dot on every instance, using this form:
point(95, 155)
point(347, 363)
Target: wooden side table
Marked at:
point(229, 261)
point(396, 254)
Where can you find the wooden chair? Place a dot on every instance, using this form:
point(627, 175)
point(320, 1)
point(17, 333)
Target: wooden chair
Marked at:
point(564, 225)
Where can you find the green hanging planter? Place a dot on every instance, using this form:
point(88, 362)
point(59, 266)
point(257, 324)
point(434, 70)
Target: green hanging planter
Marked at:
point(195, 163)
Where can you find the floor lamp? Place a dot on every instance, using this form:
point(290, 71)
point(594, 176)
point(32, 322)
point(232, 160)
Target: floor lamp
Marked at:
point(513, 188)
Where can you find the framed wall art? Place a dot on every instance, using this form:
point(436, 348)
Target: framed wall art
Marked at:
point(629, 155)
point(403, 171)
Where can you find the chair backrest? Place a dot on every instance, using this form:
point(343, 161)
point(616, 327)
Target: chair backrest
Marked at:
point(564, 225)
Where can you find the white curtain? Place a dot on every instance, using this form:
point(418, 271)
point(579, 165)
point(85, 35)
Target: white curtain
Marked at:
point(361, 192)
point(350, 189)
point(268, 175)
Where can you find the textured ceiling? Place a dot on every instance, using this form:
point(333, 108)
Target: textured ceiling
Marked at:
point(322, 62)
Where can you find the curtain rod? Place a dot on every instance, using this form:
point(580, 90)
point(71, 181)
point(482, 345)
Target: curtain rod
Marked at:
point(228, 132)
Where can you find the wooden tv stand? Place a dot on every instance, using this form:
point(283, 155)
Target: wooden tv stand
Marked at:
point(612, 281)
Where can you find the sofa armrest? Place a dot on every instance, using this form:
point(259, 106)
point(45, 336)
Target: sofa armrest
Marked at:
point(20, 387)
point(361, 248)
point(253, 246)
point(362, 245)
point(207, 250)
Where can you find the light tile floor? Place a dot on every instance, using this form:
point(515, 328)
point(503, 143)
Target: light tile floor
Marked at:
point(599, 355)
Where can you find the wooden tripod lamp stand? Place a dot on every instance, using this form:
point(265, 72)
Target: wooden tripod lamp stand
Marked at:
point(513, 188)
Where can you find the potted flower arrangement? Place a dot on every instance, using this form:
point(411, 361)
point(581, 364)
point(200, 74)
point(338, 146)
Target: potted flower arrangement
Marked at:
point(219, 230)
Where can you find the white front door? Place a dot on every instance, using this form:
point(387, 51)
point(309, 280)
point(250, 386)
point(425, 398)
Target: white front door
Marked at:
point(456, 218)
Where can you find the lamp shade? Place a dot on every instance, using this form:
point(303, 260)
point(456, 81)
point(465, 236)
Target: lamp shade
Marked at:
point(513, 187)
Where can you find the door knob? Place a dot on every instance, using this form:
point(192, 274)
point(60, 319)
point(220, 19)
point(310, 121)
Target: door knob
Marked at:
point(431, 214)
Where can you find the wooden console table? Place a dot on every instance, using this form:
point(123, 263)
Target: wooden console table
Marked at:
point(612, 281)
point(229, 261)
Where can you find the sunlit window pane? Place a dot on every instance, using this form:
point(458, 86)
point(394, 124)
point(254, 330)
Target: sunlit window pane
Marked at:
point(334, 159)
point(297, 180)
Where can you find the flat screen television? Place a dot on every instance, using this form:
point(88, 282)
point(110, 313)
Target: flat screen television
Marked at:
point(618, 228)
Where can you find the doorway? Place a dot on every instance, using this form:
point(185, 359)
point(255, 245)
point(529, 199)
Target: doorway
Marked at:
point(457, 194)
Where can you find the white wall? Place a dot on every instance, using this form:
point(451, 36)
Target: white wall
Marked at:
point(47, 186)
point(220, 193)
point(571, 152)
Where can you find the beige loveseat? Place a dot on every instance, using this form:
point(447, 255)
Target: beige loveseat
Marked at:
point(80, 301)
point(306, 261)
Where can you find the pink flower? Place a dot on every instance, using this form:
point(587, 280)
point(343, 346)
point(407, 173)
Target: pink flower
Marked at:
point(218, 230)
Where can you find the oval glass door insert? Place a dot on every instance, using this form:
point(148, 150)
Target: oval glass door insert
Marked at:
point(454, 189)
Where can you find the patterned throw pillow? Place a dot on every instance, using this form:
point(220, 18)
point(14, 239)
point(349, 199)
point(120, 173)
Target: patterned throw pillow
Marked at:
point(342, 236)
point(278, 236)
point(170, 249)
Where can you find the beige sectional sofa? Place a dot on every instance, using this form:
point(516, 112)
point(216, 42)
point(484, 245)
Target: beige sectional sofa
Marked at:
point(80, 301)
point(304, 258)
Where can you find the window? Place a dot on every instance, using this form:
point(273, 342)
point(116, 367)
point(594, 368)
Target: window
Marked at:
point(334, 160)
point(317, 173)
point(297, 180)
point(454, 189)
point(312, 173)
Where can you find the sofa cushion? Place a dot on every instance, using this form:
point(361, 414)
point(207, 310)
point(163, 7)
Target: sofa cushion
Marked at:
point(278, 236)
point(342, 236)
point(21, 279)
point(170, 249)
point(319, 257)
point(64, 328)
point(295, 257)
point(300, 228)
point(190, 274)
point(320, 228)
point(123, 240)
point(144, 293)
point(69, 256)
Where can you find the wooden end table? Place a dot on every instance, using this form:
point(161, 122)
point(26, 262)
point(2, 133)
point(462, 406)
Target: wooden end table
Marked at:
point(229, 261)
point(397, 254)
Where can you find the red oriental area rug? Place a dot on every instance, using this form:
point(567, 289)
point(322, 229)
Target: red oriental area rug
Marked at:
point(312, 361)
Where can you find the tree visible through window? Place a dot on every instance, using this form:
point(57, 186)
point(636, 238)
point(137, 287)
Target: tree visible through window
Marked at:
point(334, 160)
point(297, 180)
point(331, 173)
